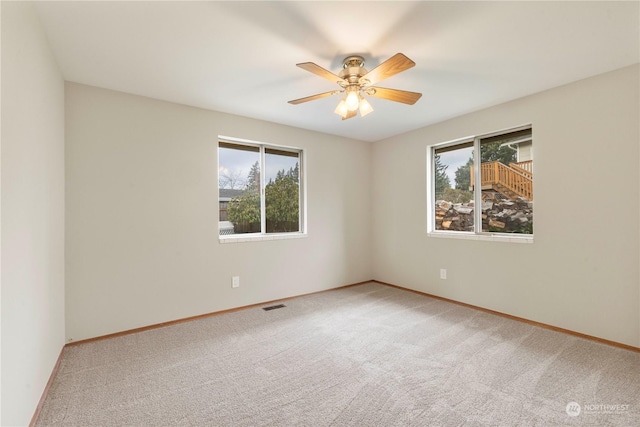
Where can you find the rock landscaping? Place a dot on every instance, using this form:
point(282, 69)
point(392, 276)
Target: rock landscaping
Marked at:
point(499, 214)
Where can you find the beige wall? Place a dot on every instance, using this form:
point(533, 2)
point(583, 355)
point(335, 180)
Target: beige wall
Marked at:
point(142, 215)
point(32, 212)
point(141, 219)
point(581, 272)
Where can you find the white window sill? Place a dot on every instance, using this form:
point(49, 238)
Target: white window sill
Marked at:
point(261, 237)
point(486, 237)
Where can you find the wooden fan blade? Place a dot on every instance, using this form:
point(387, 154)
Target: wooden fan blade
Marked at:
point(319, 71)
point(350, 114)
point(394, 95)
point(394, 65)
point(313, 97)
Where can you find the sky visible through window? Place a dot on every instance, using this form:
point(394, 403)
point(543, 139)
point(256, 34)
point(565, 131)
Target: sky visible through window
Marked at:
point(276, 163)
point(237, 163)
point(454, 159)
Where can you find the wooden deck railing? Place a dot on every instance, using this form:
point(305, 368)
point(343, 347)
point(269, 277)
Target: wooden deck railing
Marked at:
point(498, 174)
point(528, 165)
point(526, 168)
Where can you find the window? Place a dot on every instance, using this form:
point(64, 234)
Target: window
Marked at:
point(493, 171)
point(259, 188)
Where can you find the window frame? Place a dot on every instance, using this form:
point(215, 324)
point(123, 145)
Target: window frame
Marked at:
point(477, 233)
point(302, 196)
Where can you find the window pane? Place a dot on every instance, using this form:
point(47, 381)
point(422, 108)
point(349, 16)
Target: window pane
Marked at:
point(507, 183)
point(453, 188)
point(239, 188)
point(282, 191)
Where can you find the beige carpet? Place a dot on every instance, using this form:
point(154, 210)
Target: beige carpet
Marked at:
point(368, 355)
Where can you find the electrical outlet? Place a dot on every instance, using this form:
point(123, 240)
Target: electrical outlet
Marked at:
point(443, 273)
point(235, 282)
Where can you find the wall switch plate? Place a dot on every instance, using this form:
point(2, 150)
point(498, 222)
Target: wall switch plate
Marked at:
point(235, 282)
point(443, 273)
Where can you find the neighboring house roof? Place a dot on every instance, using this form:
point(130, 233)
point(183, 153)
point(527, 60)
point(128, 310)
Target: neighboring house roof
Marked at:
point(226, 194)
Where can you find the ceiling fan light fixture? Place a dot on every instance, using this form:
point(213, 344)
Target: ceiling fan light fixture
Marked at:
point(352, 101)
point(365, 107)
point(341, 109)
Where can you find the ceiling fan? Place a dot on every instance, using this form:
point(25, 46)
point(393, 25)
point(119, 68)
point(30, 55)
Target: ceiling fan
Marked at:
point(355, 81)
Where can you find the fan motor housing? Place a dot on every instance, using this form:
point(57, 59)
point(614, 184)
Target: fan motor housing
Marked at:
point(353, 69)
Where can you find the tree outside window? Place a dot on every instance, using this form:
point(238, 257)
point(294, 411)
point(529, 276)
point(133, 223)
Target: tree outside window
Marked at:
point(266, 204)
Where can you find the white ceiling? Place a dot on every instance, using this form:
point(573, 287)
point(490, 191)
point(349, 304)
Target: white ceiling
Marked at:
point(239, 57)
